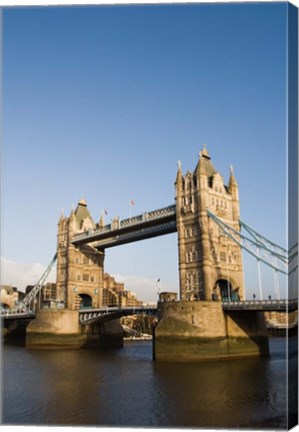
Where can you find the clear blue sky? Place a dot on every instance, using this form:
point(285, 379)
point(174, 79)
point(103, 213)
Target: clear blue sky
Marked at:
point(101, 102)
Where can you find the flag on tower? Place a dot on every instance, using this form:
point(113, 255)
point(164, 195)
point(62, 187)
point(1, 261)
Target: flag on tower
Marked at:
point(105, 211)
point(132, 203)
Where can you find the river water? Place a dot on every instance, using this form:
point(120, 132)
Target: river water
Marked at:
point(124, 387)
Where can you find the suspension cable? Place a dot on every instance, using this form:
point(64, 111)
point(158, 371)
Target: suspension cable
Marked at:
point(229, 231)
point(258, 236)
point(28, 300)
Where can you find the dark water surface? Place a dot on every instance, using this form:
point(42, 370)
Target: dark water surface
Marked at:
point(125, 387)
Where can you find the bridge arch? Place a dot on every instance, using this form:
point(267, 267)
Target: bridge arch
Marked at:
point(225, 289)
point(86, 300)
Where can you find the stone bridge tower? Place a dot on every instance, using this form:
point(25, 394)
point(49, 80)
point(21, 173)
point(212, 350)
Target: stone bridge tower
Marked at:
point(210, 264)
point(79, 269)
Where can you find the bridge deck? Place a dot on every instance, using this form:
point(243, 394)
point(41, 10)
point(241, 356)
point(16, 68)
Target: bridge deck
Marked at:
point(6, 315)
point(90, 316)
point(146, 225)
point(261, 305)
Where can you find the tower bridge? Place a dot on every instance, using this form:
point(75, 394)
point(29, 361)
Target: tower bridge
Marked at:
point(212, 309)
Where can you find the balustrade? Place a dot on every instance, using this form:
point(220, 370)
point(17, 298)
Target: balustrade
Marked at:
point(130, 222)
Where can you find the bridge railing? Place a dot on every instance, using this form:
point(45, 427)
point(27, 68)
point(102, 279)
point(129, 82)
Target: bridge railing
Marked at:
point(126, 237)
point(108, 309)
point(286, 304)
point(87, 316)
point(130, 222)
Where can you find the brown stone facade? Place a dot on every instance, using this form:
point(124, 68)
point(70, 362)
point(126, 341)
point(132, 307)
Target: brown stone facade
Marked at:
point(114, 294)
point(210, 264)
point(79, 269)
point(81, 280)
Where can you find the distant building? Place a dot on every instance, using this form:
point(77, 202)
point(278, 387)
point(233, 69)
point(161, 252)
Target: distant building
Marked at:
point(128, 299)
point(9, 296)
point(114, 294)
point(47, 297)
point(276, 319)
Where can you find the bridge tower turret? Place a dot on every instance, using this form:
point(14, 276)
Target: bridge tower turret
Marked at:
point(234, 191)
point(79, 269)
point(210, 264)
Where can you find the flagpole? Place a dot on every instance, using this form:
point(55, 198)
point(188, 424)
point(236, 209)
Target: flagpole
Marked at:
point(131, 204)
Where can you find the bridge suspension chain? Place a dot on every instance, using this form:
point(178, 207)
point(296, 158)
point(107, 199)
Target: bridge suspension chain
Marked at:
point(261, 239)
point(256, 246)
point(291, 256)
point(24, 305)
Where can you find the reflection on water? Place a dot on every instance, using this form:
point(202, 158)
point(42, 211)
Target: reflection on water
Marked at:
point(125, 387)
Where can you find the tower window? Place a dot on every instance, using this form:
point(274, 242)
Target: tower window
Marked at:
point(188, 281)
point(223, 256)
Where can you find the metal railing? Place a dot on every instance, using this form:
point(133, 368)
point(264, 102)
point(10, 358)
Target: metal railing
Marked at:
point(87, 316)
point(142, 219)
point(141, 233)
point(263, 305)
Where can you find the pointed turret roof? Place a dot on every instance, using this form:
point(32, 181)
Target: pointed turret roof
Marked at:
point(82, 202)
point(204, 165)
point(62, 215)
point(102, 221)
point(82, 212)
point(179, 175)
point(232, 180)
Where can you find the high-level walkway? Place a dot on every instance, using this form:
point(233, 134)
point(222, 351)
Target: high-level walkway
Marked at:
point(146, 225)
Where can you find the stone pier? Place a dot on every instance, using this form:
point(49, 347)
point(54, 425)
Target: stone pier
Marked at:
point(193, 331)
point(62, 329)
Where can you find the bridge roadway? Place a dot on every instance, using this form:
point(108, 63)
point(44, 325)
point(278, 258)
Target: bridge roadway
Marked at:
point(146, 225)
point(11, 315)
point(261, 305)
point(93, 315)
